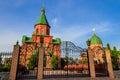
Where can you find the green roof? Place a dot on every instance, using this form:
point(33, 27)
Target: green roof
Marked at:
point(42, 19)
point(95, 39)
point(56, 41)
point(26, 39)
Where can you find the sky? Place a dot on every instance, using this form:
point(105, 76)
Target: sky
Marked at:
point(70, 20)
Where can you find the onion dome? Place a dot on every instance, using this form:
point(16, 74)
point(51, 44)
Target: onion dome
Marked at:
point(95, 40)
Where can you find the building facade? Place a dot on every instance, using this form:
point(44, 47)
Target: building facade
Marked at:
point(40, 37)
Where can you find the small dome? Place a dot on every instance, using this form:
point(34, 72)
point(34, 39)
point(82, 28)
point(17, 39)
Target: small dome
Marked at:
point(95, 40)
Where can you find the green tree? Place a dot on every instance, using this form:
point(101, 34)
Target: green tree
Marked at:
point(54, 61)
point(115, 54)
point(0, 63)
point(114, 48)
point(32, 62)
point(0, 60)
point(108, 46)
point(7, 64)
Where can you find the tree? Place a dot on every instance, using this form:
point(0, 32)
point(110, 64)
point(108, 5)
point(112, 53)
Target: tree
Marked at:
point(0, 60)
point(0, 63)
point(54, 61)
point(115, 56)
point(32, 62)
point(108, 46)
point(7, 64)
point(114, 48)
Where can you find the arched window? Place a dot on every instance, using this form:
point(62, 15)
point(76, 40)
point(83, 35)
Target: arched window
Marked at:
point(42, 31)
point(47, 31)
point(36, 31)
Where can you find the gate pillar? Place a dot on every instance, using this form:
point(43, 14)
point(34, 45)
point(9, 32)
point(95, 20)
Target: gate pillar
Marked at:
point(40, 63)
point(91, 64)
point(14, 65)
point(109, 64)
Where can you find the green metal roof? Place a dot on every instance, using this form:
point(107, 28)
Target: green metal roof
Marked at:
point(56, 41)
point(95, 39)
point(42, 19)
point(26, 39)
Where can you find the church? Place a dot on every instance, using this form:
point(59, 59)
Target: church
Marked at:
point(40, 37)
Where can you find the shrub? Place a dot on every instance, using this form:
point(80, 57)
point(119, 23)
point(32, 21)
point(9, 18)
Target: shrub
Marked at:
point(54, 61)
point(32, 62)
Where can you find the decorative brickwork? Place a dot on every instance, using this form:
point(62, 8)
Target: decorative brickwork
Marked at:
point(41, 36)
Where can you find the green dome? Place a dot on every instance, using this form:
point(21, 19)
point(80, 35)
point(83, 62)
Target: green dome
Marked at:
point(95, 40)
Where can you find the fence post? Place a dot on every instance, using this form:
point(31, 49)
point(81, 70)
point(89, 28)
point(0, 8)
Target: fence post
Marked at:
point(15, 56)
point(40, 63)
point(109, 64)
point(91, 63)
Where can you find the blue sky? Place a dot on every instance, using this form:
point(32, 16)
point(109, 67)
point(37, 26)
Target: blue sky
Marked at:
point(71, 20)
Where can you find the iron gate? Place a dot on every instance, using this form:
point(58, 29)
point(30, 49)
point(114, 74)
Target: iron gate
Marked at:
point(73, 63)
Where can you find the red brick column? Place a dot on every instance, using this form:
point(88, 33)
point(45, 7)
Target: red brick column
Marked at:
point(15, 56)
point(40, 63)
point(91, 63)
point(109, 64)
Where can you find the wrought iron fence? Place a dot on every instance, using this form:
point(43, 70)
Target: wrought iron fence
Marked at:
point(5, 65)
point(5, 61)
point(71, 63)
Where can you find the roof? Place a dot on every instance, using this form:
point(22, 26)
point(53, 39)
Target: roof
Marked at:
point(95, 39)
point(56, 41)
point(42, 19)
point(26, 39)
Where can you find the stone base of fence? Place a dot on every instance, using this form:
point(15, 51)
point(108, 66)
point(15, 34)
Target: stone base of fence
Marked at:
point(5, 76)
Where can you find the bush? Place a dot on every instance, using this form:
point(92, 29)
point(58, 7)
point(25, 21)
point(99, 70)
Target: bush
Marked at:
point(54, 61)
point(32, 62)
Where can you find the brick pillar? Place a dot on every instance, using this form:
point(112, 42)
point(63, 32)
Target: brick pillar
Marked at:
point(40, 63)
point(91, 64)
point(109, 64)
point(14, 65)
point(118, 62)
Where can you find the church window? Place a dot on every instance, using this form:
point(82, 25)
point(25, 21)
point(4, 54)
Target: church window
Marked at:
point(42, 31)
point(36, 31)
point(41, 40)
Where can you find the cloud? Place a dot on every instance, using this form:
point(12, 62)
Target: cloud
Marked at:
point(79, 33)
point(54, 21)
point(8, 39)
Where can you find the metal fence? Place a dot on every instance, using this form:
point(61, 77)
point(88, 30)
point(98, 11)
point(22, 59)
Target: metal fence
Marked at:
point(5, 65)
point(5, 61)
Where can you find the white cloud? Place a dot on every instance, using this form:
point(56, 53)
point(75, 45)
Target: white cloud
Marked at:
point(54, 21)
point(78, 33)
point(8, 39)
point(73, 32)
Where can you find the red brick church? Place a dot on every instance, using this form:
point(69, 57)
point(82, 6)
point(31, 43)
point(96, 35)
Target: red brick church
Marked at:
point(40, 37)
